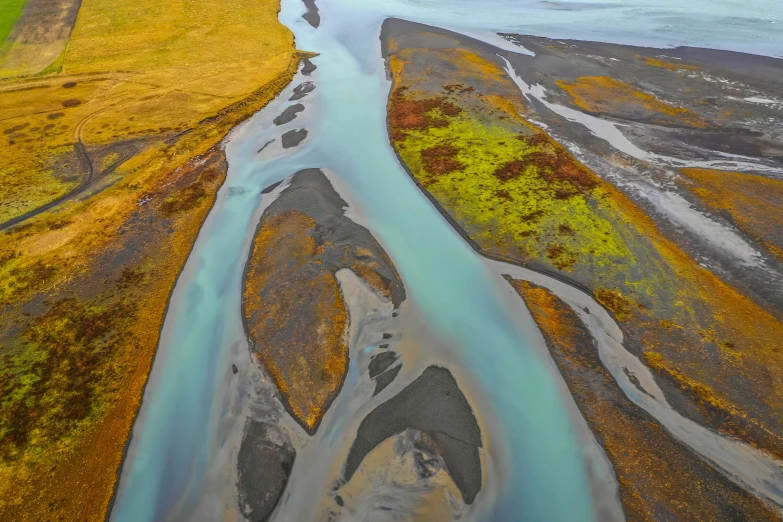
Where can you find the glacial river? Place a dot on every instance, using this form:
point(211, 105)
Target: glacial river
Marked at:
point(543, 462)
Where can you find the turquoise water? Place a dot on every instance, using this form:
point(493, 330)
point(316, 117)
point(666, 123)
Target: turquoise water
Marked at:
point(177, 432)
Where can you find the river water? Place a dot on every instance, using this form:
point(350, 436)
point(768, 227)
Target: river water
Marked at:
point(543, 461)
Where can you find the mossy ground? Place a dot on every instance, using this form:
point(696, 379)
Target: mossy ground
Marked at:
point(521, 196)
point(528, 196)
point(132, 69)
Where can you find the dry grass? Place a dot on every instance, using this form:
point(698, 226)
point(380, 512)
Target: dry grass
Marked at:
point(134, 70)
point(137, 69)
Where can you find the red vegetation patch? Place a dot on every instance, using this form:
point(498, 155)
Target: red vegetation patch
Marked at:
point(565, 230)
point(406, 114)
point(554, 166)
point(510, 170)
point(72, 343)
point(560, 257)
point(458, 88)
point(441, 159)
point(449, 109)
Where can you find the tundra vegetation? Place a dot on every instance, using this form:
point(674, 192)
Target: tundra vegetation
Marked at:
point(464, 131)
point(110, 151)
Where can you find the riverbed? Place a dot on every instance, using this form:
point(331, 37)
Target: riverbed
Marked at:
point(541, 460)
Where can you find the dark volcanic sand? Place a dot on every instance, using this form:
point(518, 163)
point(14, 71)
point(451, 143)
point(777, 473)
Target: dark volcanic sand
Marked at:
point(311, 16)
point(266, 457)
point(385, 379)
point(311, 193)
point(378, 369)
point(293, 138)
point(308, 67)
point(288, 114)
point(434, 405)
point(302, 90)
point(380, 362)
point(293, 299)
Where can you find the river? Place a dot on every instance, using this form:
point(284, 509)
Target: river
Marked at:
point(541, 461)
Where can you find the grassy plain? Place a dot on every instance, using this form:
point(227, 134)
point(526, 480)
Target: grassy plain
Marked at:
point(146, 90)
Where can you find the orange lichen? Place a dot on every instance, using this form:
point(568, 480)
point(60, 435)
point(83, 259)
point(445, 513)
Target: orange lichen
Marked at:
point(621, 306)
point(659, 478)
point(754, 202)
point(672, 66)
point(606, 95)
point(297, 318)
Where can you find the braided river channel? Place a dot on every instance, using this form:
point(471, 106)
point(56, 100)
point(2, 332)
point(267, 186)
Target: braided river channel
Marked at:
point(540, 461)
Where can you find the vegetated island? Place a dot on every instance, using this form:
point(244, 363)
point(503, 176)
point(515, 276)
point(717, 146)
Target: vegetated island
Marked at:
point(484, 155)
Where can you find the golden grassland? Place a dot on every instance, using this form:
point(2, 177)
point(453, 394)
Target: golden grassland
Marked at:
point(132, 69)
point(84, 287)
point(521, 196)
point(607, 95)
point(752, 201)
point(659, 478)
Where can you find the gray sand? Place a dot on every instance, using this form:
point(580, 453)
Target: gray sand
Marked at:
point(311, 16)
point(293, 138)
point(288, 114)
point(308, 67)
point(302, 90)
point(434, 405)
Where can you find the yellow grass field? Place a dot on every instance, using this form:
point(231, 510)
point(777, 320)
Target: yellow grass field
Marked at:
point(132, 110)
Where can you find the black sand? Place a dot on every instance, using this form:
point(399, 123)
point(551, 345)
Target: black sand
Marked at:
point(434, 405)
point(265, 461)
point(293, 138)
point(288, 114)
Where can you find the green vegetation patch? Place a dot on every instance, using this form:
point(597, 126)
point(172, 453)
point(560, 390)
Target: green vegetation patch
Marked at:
point(10, 11)
point(525, 191)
